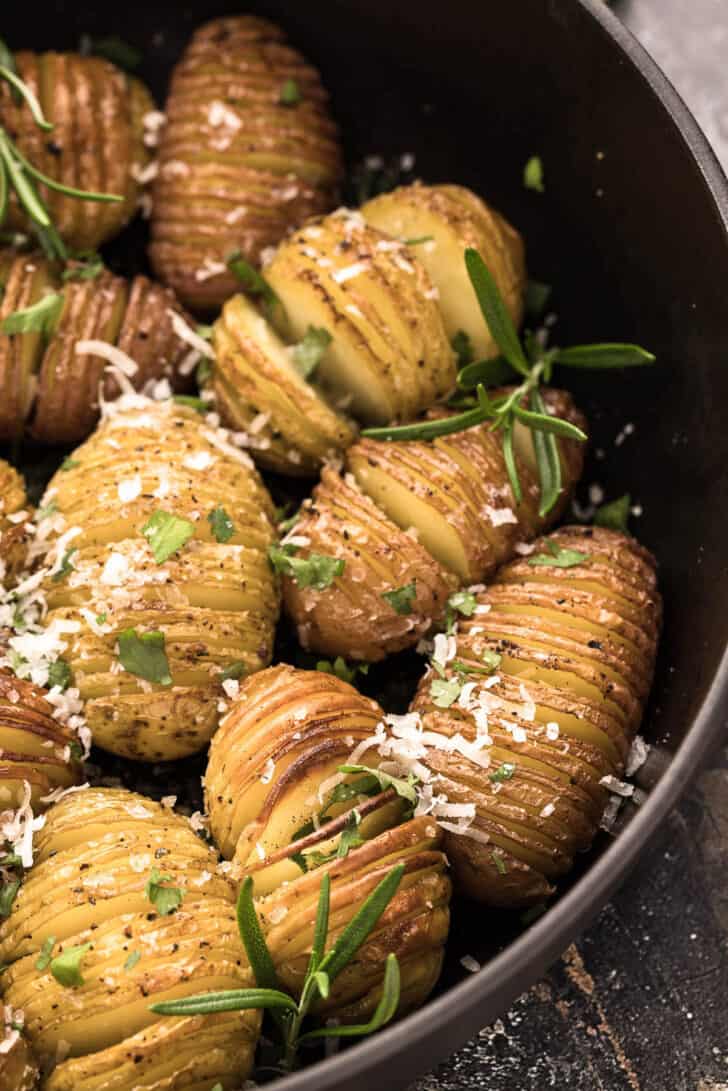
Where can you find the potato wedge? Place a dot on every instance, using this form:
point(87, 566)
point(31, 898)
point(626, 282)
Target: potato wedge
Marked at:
point(249, 151)
point(97, 141)
point(15, 515)
point(389, 355)
point(440, 222)
point(210, 595)
point(258, 390)
point(455, 493)
point(18, 1068)
point(101, 862)
point(48, 386)
point(279, 804)
point(391, 591)
point(535, 708)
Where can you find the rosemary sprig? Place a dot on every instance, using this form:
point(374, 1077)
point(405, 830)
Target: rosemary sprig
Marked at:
point(19, 175)
point(524, 404)
point(323, 969)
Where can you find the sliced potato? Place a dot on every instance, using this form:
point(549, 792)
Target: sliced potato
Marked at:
point(97, 141)
point(439, 223)
point(14, 532)
point(455, 493)
point(389, 355)
point(100, 861)
point(214, 598)
point(550, 674)
point(48, 385)
point(249, 151)
point(391, 591)
point(259, 391)
point(18, 1068)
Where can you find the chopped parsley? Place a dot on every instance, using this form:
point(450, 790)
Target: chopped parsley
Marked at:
point(444, 691)
point(85, 267)
point(341, 669)
point(165, 899)
point(204, 371)
point(557, 557)
point(317, 570)
point(66, 566)
point(59, 674)
point(307, 353)
point(461, 602)
point(192, 402)
point(66, 967)
point(8, 892)
point(251, 280)
point(45, 512)
point(533, 174)
point(405, 789)
point(401, 598)
point(221, 524)
point(69, 464)
point(418, 241)
point(234, 670)
point(503, 772)
point(499, 862)
point(41, 317)
point(204, 331)
point(101, 618)
point(144, 654)
point(43, 960)
point(615, 515)
point(463, 348)
point(132, 960)
point(290, 93)
point(166, 534)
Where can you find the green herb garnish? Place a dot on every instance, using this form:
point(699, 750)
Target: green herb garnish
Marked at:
point(165, 899)
point(533, 174)
point(317, 570)
point(557, 557)
point(460, 602)
point(40, 317)
point(290, 93)
point(144, 654)
point(66, 967)
point(59, 674)
point(341, 669)
point(84, 267)
point(65, 567)
point(307, 353)
point(503, 772)
point(221, 524)
point(251, 280)
point(8, 892)
point(401, 598)
point(235, 670)
point(69, 464)
point(615, 515)
point(45, 955)
point(445, 691)
point(497, 859)
point(166, 534)
point(463, 348)
point(418, 240)
point(132, 960)
point(191, 401)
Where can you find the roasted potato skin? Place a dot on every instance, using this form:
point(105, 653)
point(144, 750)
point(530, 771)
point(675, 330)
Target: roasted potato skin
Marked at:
point(577, 648)
point(462, 479)
point(51, 390)
point(450, 219)
point(289, 426)
point(215, 602)
point(272, 765)
point(238, 168)
point(351, 617)
point(389, 357)
point(97, 142)
point(88, 886)
point(38, 753)
point(18, 1068)
point(14, 533)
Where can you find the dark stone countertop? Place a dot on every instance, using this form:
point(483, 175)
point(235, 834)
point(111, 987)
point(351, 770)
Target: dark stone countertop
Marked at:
point(639, 1003)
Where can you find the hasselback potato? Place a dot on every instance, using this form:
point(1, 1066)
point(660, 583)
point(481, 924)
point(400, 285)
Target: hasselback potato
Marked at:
point(536, 701)
point(51, 388)
point(158, 547)
point(441, 222)
point(391, 590)
point(18, 1069)
point(126, 907)
point(249, 151)
point(259, 392)
point(271, 782)
point(97, 140)
point(389, 356)
point(14, 520)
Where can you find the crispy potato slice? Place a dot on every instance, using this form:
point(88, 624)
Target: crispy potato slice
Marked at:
point(14, 520)
point(455, 493)
point(550, 673)
point(352, 617)
point(248, 152)
point(214, 599)
point(389, 356)
point(441, 222)
point(97, 141)
point(96, 854)
point(259, 391)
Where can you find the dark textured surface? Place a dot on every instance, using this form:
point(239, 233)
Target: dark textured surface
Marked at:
point(640, 1002)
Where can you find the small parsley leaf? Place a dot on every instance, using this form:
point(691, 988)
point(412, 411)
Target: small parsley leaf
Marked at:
point(557, 557)
point(43, 960)
point(235, 670)
point(69, 464)
point(86, 267)
point(221, 524)
point(7, 896)
point(445, 692)
point(251, 280)
point(401, 598)
point(59, 674)
point(503, 772)
point(341, 669)
point(290, 93)
point(66, 566)
point(132, 960)
point(307, 353)
point(41, 317)
point(533, 174)
point(615, 515)
point(144, 654)
point(317, 570)
point(166, 534)
point(461, 602)
point(165, 899)
point(66, 967)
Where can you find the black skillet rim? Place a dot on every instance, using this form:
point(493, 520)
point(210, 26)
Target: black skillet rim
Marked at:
point(460, 1012)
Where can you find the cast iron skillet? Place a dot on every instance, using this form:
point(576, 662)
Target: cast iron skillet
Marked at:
point(632, 232)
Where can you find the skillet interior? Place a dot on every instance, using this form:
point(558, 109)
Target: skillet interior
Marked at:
point(635, 244)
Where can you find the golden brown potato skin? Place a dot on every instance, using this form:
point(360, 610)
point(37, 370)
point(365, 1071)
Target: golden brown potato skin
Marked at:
point(351, 617)
point(577, 648)
point(237, 168)
point(93, 861)
point(450, 219)
point(50, 389)
point(270, 772)
point(97, 142)
point(37, 752)
point(14, 535)
point(18, 1068)
point(216, 602)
